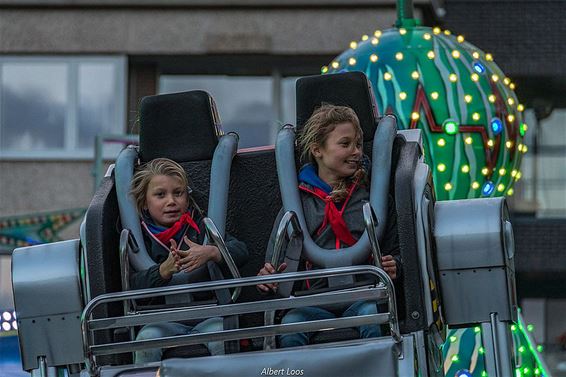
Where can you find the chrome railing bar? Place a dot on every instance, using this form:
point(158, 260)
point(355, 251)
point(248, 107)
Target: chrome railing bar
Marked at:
point(371, 223)
point(288, 218)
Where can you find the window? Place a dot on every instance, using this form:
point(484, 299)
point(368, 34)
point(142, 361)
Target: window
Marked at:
point(253, 106)
point(53, 107)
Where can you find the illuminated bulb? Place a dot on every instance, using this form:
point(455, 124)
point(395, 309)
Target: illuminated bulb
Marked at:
point(387, 76)
point(490, 143)
point(491, 98)
point(540, 348)
point(402, 31)
point(475, 185)
point(506, 81)
point(510, 192)
point(454, 358)
point(377, 33)
point(520, 107)
point(373, 58)
point(521, 349)
point(468, 140)
point(460, 38)
point(415, 75)
point(513, 173)
point(6, 326)
point(441, 167)
point(447, 32)
point(353, 45)
point(456, 54)
point(523, 129)
point(453, 339)
point(509, 144)
point(510, 101)
point(335, 64)
point(475, 77)
point(7, 316)
point(513, 328)
point(430, 54)
point(352, 61)
point(450, 127)
point(15, 325)
point(465, 169)
point(476, 116)
point(501, 187)
point(494, 78)
point(374, 41)
point(436, 30)
point(448, 186)
point(525, 149)
point(468, 98)
point(427, 36)
point(452, 77)
point(399, 56)
point(434, 95)
point(488, 57)
point(415, 116)
point(518, 175)
point(365, 37)
point(441, 142)
point(530, 328)
point(512, 86)
point(402, 95)
point(502, 171)
point(520, 147)
point(510, 118)
point(476, 55)
point(324, 69)
point(485, 171)
point(479, 67)
point(477, 329)
point(487, 188)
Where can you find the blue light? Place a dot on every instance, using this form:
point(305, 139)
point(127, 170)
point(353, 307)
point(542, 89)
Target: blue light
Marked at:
point(479, 68)
point(496, 126)
point(487, 188)
point(463, 373)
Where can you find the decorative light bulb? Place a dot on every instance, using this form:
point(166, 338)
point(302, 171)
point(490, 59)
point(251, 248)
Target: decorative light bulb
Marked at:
point(475, 77)
point(512, 86)
point(456, 54)
point(352, 61)
point(441, 167)
point(506, 80)
point(489, 57)
point(468, 140)
point(377, 33)
point(485, 171)
point(523, 129)
point(374, 41)
point(335, 64)
point(491, 98)
point(430, 54)
point(436, 30)
point(448, 186)
point(399, 56)
point(402, 31)
point(452, 77)
point(496, 125)
point(427, 36)
point(353, 45)
point(441, 142)
point(488, 188)
point(525, 149)
point(510, 118)
point(490, 143)
point(476, 116)
point(476, 55)
point(520, 107)
point(447, 32)
point(434, 95)
point(475, 185)
point(460, 38)
point(402, 95)
point(415, 115)
point(387, 76)
point(415, 75)
point(510, 192)
point(468, 98)
point(450, 127)
point(502, 171)
point(501, 187)
point(324, 69)
point(510, 101)
point(465, 169)
point(518, 175)
point(373, 58)
point(509, 144)
point(365, 37)
point(494, 78)
point(513, 173)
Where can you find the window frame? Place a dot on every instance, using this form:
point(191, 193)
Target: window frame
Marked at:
point(71, 151)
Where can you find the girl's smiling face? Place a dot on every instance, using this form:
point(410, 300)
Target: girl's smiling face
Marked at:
point(166, 200)
point(340, 155)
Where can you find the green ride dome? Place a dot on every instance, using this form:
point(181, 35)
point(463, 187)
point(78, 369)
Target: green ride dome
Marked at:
point(470, 117)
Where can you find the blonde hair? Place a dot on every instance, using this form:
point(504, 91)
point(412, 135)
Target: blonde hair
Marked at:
point(315, 132)
point(145, 173)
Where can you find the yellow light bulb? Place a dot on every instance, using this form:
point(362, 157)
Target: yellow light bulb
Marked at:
point(434, 95)
point(456, 54)
point(468, 140)
point(324, 69)
point(468, 98)
point(373, 58)
point(448, 186)
point(452, 77)
point(489, 57)
point(502, 171)
point(491, 98)
point(365, 37)
point(520, 147)
point(441, 167)
point(427, 36)
point(465, 169)
point(460, 38)
point(436, 30)
point(510, 192)
point(520, 107)
point(525, 149)
point(500, 187)
point(513, 173)
point(494, 78)
point(526, 127)
point(387, 76)
point(399, 56)
point(510, 101)
point(512, 86)
point(506, 80)
point(374, 41)
point(475, 77)
point(476, 55)
point(353, 45)
point(335, 64)
point(476, 116)
point(447, 32)
point(490, 143)
point(510, 118)
point(352, 61)
point(509, 144)
point(402, 31)
point(485, 171)
point(475, 185)
point(518, 175)
point(441, 142)
point(430, 54)
point(377, 33)
point(415, 75)
point(402, 95)
point(415, 115)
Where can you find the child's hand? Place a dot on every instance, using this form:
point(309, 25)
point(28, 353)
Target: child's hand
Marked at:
point(268, 269)
point(197, 255)
point(169, 266)
point(389, 265)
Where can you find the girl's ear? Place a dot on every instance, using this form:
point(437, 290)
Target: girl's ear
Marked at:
point(315, 151)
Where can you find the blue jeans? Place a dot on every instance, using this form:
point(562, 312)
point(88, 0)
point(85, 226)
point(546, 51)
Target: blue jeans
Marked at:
point(158, 330)
point(311, 313)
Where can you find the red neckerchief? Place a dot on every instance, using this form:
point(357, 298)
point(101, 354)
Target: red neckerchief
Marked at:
point(334, 216)
point(167, 234)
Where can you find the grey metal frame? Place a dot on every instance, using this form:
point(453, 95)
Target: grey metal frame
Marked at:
point(371, 223)
point(383, 291)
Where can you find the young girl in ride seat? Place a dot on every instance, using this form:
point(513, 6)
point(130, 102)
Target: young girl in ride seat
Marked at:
point(173, 233)
point(333, 189)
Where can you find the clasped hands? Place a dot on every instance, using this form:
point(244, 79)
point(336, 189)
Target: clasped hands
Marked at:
point(187, 260)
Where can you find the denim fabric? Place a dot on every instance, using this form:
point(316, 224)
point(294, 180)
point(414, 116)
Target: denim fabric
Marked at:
point(158, 330)
point(311, 313)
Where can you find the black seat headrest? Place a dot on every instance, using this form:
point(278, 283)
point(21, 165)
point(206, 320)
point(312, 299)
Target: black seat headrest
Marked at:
point(351, 89)
point(179, 126)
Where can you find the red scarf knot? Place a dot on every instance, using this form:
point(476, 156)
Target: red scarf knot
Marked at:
point(168, 234)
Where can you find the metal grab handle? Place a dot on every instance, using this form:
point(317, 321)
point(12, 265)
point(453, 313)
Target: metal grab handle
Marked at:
point(289, 217)
point(371, 223)
point(213, 233)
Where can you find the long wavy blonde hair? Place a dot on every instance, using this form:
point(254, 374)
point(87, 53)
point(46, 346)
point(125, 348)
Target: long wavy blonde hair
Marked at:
point(315, 133)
